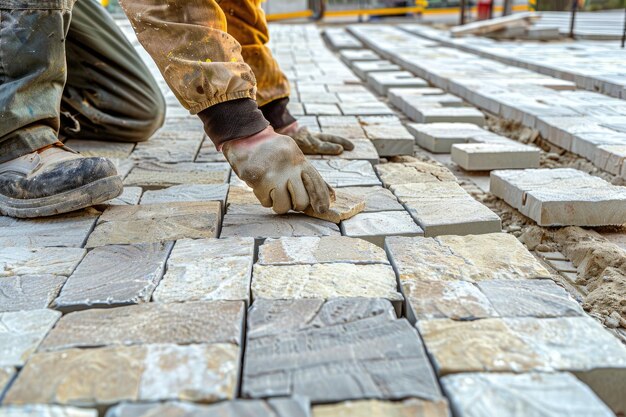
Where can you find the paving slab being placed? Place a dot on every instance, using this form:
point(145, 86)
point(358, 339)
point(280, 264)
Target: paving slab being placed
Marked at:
point(343, 173)
point(364, 149)
point(375, 227)
point(490, 156)
point(382, 81)
point(445, 208)
point(561, 197)
point(439, 137)
point(21, 332)
point(334, 362)
point(29, 292)
point(397, 96)
point(106, 149)
point(344, 207)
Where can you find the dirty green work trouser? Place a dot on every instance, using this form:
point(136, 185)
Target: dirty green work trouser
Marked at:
point(103, 92)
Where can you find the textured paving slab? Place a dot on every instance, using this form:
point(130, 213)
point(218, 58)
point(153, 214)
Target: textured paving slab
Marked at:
point(21, 332)
point(562, 196)
point(344, 207)
point(169, 147)
point(375, 408)
point(195, 322)
point(487, 157)
point(363, 68)
point(156, 223)
point(445, 208)
point(376, 198)
point(67, 230)
point(264, 225)
point(333, 362)
point(390, 139)
point(439, 137)
point(396, 173)
point(432, 114)
point(375, 227)
point(130, 196)
point(364, 149)
point(204, 373)
point(208, 269)
point(107, 149)
point(29, 292)
point(39, 261)
point(159, 175)
point(318, 250)
point(400, 96)
point(532, 395)
point(46, 411)
point(463, 258)
point(115, 275)
point(381, 82)
point(208, 152)
point(187, 192)
point(367, 108)
point(341, 173)
point(338, 38)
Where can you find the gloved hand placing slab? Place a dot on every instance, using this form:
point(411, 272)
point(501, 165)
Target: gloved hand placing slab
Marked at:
point(312, 143)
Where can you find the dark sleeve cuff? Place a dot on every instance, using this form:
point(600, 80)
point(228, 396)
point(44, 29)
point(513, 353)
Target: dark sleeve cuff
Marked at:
point(277, 114)
point(232, 119)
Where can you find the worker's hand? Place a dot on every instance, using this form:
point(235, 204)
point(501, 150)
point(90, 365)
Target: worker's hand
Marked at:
point(278, 172)
point(317, 143)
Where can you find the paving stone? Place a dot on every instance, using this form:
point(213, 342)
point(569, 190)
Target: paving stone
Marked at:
point(531, 395)
point(411, 407)
point(187, 192)
point(398, 96)
point(115, 275)
point(343, 122)
point(382, 81)
point(317, 250)
point(208, 269)
point(395, 173)
point(123, 166)
point(275, 407)
point(317, 108)
point(343, 173)
point(46, 411)
point(130, 196)
point(349, 55)
point(21, 332)
point(365, 108)
point(463, 258)
point(363, 68)
point(364, 149)
point(390, 140)
point(318, 97)
point(107, 149)
point(445, 208)
point(338, 38)
point(265, 225)
point(529, 298)
point(351, 131)
point(562, 265)
point(375, 227)
point(158, 372)
point(439, 137)
point(376, 198)
point(194, 322)
point(159, 175)
point(208, 152)
point(430, 114)
point(39, 261)
point(334, 361)
point(67, 230)
point(156, 223)
point(29, 292)
point(169, 147)
point(344, 207)
point(487, 157)
point(561, 197)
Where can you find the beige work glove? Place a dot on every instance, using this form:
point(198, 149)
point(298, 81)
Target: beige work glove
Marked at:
point(278, 172)
point(312, 143)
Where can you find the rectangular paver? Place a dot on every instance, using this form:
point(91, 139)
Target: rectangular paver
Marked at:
point(375, 227)
point(490, 156)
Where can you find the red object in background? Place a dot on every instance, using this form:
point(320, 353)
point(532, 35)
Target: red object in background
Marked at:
point(484, 9)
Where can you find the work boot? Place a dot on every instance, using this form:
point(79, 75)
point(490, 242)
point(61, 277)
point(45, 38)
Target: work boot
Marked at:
point(55, 180)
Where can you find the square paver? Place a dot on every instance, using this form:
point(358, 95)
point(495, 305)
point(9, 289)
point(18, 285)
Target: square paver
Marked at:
point(397, 173)
point(39, 410)
point(29, 292)
point(376, 198)
point(187, 192)
point(159, 175)
point(106, 149)
point(39, 261)
point(21, 332)
point(375, 227)
point(261, 223)
point(169, 147)
point(343, 173)
point(390, 140)
point(439, 137)
point(363, 68)
point(490, 156)
point(364, 149)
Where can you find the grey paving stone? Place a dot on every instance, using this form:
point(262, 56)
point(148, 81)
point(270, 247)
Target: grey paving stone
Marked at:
point(529, 298)
point(364, 149)
point(318, 97)
point(375, 227)
point(21, 332)
point(29, 292)
point(430, 114)
point(107, 149)
point(156, 223)
point(365, 108)
point(39, 261)
point(397, 96)
point(463, 258)
point(349, 55)
point(562, 196)
point(439, 137)
point(208, 152)
point(152, 175)
point(194, 322)
point(46, 411)
point(334, 362)
point(390, 140)
point(208, 269)
point(344, 173)
point(343, 207)
point(338, 122)
point(169, 147)
point(315, 250)
point(445, 208)
point(321, 108)
point(382, 81)
point(67, 230)
point(130, 196)
point(531, 394)
point(114, 275)
point(363, 68)
point(487, 157)
point(376, 198)
point(187, 192)
point(261, 225)
point(377, 408)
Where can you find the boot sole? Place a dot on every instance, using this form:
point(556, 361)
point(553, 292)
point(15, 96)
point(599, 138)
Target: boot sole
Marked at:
point(89, 194)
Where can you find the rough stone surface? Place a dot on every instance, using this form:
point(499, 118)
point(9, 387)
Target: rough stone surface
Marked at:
point(362, 68)
point(382, 81)
point(344, 207)
point(530, 395)
point(264, 225)
point(333, 360)
point(375, 227)
point(376, 198)
point(343, 173)
point(159, 372)
point(463, 258)
point(39, 261)
point(115, 275)
point(187, 192)
point(29, 292)
point(490, 156)
point(439, 137)
point(159, 175)
point(364, 149)
point(21, 332)
point(178, 147)
point(130, 196)
point(208, 269)
point(107, 149)
point(408, 408)
point(46, 411)
point(396, 173)
point(390, 140)
point(156, 223)
point(317, 250)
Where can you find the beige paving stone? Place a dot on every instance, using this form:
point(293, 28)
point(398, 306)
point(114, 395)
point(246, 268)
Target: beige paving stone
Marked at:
point(396, 173)
point(21, 332)
point(343, 173)
point(316, 250)
point(263, 225)
point(159, 175)
point(156, 223)
point(439, 137)
point(375, 227)
point(324, 281)
point(39, 261)
point(158, 372)
point(490, 156)
point(390, 139)
point(209, 153)
point(46, 411)
point(187, 192)
point(376, 198)
point(241, 195)
point(530, 395)
point(194, 322)
point(66, 230)
point(413, 407)
point(107, 149)
point(463, 258)
point(114, 275)
point(130, 196)
point(364, 149)
point(344, 207)
point(29, 292)
point(208, 269)
point(445, 208)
